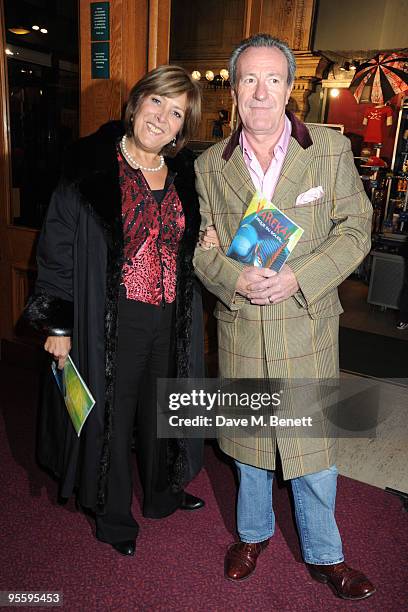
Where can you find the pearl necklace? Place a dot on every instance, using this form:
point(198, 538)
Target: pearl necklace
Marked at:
point(135, 164)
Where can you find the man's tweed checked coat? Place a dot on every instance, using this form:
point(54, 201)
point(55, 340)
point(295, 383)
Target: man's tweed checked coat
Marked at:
point(297, 338)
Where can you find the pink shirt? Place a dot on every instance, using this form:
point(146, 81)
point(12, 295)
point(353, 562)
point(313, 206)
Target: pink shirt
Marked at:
point(266, 182)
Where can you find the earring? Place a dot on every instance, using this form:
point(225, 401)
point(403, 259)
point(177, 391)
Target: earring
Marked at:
point(173, 142)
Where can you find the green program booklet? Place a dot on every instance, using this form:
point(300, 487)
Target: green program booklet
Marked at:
point(77, 397)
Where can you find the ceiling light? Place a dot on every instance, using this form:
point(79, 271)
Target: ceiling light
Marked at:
point(35, 27)
point(224, 74)
point(20, 30)
point(44, 31)
point(209, 75)
point(334, 93)
point(196, 75)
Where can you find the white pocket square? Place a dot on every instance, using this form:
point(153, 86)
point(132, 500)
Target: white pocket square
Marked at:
point(310, 195)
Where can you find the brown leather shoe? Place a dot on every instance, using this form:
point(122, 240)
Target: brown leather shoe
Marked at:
point(346, 582)
point(241, 557)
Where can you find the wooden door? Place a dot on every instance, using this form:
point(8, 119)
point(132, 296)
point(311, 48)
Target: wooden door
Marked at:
point(17, 244)
point(138, 40)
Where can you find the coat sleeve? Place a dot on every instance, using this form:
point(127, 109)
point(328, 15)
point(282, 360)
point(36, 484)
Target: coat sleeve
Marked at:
point(348, 241)
point(50, 308)
point(218, 273)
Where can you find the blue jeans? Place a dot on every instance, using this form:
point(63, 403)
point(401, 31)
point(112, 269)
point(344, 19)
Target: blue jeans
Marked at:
point(314, 496)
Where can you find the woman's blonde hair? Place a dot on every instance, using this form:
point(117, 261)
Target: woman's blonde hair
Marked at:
point(168, 81)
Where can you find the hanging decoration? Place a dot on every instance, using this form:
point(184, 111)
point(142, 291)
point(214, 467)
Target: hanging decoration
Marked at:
point(386, 73)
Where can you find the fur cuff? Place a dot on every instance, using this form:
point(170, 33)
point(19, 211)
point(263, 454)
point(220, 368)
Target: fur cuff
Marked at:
point(49, 314)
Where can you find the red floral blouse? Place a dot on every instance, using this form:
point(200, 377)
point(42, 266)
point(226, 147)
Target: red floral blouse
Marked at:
point(152, 232)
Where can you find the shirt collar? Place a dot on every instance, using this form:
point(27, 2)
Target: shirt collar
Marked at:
point(299, 132)
point(280, 148)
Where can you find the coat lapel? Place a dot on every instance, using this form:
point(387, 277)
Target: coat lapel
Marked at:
point(294, 167)
point(101, 191)
point(92, 166)
point(238, 178)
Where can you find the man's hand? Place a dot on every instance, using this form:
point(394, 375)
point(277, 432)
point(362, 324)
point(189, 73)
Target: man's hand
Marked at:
point(59, 347)
point(273, 288)
point(252, 277)
point(209, 238)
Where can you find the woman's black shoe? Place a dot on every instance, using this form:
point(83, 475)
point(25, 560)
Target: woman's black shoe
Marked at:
point(126, 548)
point(190, 502)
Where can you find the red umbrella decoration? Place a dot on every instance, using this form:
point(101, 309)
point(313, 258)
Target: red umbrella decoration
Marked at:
point(386, 72)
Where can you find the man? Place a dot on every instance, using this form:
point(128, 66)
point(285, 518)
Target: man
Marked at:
point(282, 325)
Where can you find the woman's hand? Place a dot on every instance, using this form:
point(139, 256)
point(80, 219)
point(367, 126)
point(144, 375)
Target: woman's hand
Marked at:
point(59, 347)
point(209, 238)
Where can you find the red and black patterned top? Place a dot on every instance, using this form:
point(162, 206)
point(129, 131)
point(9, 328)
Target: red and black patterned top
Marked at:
point(152, 231)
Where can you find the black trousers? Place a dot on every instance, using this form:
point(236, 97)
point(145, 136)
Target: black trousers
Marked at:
point(144, 353)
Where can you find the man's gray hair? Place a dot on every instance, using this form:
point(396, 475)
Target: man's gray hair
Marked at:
point(262, 40)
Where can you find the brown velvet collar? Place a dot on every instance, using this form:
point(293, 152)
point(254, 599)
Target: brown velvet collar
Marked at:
point(299, 133)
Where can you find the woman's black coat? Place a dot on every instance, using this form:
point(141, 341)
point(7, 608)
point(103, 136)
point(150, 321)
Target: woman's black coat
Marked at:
point(80, 257)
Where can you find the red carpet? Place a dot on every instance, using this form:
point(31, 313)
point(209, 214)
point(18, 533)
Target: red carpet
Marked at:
point(179, 560)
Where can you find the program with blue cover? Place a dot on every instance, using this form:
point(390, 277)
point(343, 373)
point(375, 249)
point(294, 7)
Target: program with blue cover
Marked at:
point(265, 237)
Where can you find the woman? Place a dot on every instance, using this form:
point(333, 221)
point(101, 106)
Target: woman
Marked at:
point(115, 289)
